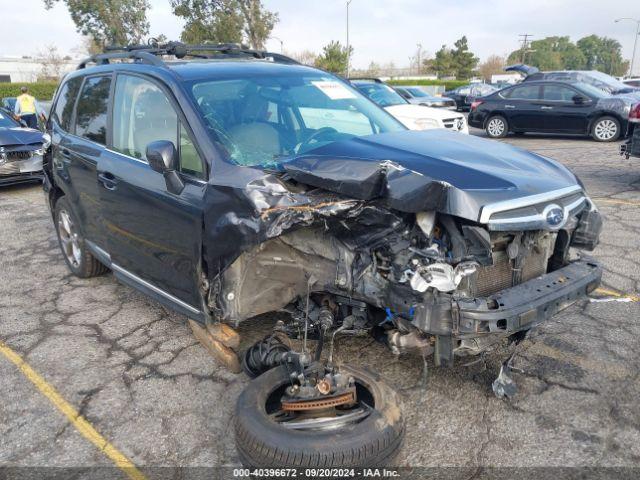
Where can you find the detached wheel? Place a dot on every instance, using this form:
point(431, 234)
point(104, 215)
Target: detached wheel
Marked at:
point(606, 129)
point(76, 254)
point(367, 434)
point(497, 127)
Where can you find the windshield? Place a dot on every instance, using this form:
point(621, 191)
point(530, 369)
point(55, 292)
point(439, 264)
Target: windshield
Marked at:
point(6, 122)
point(267, 120)
point(382, 94)
point(416, 92)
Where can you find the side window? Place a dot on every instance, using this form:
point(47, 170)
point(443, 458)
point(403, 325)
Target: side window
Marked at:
point(142, 114)
point(526, 92)
point(558, 93)
point(91, 113)
point(66, 100)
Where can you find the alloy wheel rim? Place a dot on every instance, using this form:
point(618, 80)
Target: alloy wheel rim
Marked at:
point(69, 239)
point(495, 127)
point(606, 129)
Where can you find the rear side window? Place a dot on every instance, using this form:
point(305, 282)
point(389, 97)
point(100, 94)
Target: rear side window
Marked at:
point(525, 92)
point(91, 113)
point(66, 100)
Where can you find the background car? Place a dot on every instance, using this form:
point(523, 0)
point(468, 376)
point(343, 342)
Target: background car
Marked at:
point(465, 95)
point(417, 96)
point(632, 147)
point(8, 103)
point(414, 117)
point(600, 80)
point(21, 152)
point(552, 107)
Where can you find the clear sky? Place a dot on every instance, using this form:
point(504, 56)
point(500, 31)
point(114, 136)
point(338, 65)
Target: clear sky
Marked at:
point(380, 30)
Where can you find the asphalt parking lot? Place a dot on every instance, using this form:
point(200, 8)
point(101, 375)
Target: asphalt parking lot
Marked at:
point(135, 372)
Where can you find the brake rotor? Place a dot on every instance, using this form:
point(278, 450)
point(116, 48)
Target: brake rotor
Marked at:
point(320, 404)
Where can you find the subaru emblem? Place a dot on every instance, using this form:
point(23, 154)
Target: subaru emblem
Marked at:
point(554, 216)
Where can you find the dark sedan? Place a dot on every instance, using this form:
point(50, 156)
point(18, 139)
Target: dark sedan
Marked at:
point(552, 107)
point(21, 151)
point(465, 95)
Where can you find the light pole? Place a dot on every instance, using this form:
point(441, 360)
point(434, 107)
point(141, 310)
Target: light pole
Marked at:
point(348, 47)
point(281, 43)
point(635, 41)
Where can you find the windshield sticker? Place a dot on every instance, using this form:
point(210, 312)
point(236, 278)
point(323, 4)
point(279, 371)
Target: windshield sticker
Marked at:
point(334, 90)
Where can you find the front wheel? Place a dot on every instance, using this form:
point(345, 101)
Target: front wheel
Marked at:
point(74, 250)
point(368, 433)
point(497, 127)
point(606, 129)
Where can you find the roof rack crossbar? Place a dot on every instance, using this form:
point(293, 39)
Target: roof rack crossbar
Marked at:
point(151, 54)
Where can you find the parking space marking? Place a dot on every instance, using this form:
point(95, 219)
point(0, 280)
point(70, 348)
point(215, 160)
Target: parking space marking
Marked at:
point(617, 201)
point(614, 293)
point(78, 421)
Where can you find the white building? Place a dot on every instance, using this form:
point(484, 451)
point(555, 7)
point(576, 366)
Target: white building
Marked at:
point(27, 70)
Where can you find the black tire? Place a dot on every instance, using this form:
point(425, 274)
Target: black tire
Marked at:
point(497, 126)
point(373, 442)
point(84, 265)
point(609, 134)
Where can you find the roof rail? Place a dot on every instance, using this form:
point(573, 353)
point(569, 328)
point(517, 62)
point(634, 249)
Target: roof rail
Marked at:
point(152, 53)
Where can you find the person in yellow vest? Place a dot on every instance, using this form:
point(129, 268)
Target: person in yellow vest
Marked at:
point(27, 109)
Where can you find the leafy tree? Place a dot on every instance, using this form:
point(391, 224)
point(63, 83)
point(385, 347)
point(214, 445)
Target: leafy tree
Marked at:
point(602, 53)
point(225, 21)
point(491, 66)
point(306, 57)
point(258, 22)
point(442, 64)
point(334, 57)
point(463, 61)
point(551, 53)
point(115, 22)
point(51, 64)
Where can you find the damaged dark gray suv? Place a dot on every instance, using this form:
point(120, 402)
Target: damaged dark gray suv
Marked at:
point(228, 183)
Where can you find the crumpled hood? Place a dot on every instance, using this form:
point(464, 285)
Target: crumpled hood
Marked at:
point(19, 136)
point(438, 170)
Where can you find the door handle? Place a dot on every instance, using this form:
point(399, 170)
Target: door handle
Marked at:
point(546, 108)
point(65, 153)
point(108, 181)
point(509, 106)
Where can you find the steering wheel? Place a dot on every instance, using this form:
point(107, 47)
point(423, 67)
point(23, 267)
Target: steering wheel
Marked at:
point(314, 136)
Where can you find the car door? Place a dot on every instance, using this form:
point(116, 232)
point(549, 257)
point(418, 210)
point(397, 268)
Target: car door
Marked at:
point(562, 113)
point(81, 150)
point(521, 108)
point(154, 237)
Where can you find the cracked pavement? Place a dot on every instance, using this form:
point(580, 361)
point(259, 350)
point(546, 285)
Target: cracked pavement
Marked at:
point(135, 371)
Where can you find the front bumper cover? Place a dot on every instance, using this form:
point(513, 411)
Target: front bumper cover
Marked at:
point(513, 309)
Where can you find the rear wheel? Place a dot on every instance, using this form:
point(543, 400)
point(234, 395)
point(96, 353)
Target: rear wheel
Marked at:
point(606, 129)
point(76, 254)
point(497, 126)
point(366, 434)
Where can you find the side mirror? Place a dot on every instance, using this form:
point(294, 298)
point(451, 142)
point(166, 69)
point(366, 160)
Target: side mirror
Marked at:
point(163, 158)
point(578, 99)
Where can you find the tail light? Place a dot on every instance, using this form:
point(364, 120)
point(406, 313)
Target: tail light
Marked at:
point(634, 114)
point(476, 104)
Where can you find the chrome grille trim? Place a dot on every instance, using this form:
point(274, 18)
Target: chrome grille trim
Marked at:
point(490, 209)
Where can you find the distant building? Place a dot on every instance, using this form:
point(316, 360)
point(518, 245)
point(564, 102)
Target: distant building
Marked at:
point(27, 70)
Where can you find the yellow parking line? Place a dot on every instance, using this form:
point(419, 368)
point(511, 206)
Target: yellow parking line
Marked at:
point(613, 293)
point(77, 420)
point(616, 201)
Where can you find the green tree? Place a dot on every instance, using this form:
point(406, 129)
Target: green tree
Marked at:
point(442, 64)
point(225, 21)
point(463, 61)
point(334, 57)
point(115, 22)
point(551, 53)
point(258, 22)
point(602, 53)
